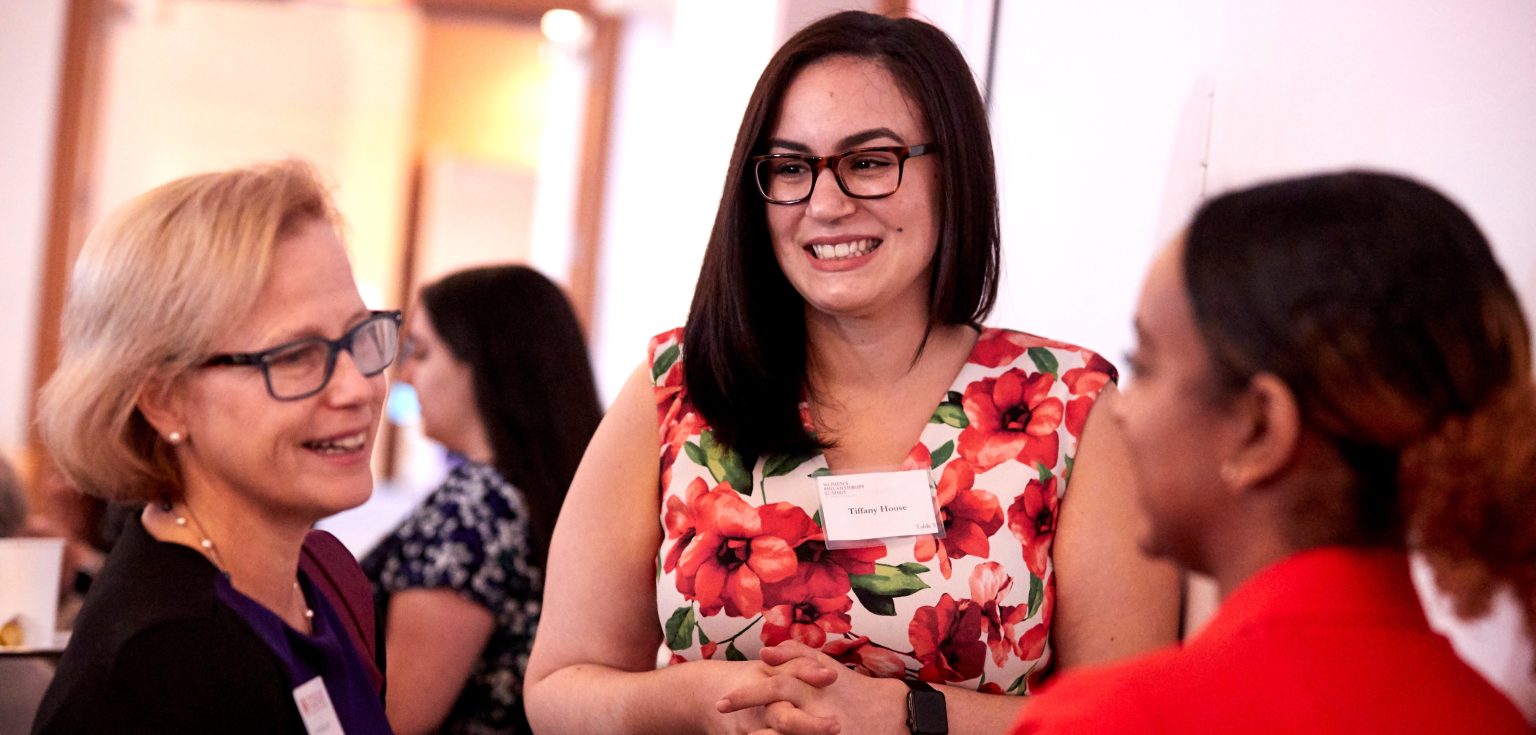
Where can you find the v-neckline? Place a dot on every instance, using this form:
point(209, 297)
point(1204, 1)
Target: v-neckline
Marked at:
point(955, 380)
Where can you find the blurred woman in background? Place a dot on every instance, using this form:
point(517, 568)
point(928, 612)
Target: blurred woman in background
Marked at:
point(499, 364)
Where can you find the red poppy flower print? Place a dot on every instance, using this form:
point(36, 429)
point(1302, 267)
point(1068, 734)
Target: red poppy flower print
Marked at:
point(866, 658)
point(946, 639)
point(1012, 416)
point(1032, 519)
point(822, 572)
point(735, 550)
point(679, 521)
point(1085, 383)
point(997, 347)
point(808, 621)
point(970, 517)
point(989, 584)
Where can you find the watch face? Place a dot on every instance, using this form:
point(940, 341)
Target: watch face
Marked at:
point(925, 713)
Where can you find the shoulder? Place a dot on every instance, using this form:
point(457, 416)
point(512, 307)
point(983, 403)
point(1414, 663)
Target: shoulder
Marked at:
point(1125, 698)
point(997, 347)
point(189, 673)
point(666, 346)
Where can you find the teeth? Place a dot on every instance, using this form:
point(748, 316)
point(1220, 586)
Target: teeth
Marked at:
point(843, 250)
point(339, 446)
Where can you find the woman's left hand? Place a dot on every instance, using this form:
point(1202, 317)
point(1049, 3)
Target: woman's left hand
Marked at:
point(859, 703)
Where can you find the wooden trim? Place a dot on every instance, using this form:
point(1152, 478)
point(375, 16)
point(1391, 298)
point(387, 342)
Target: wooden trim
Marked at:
point(74, 144)
point(590, 189)
point(389, 439)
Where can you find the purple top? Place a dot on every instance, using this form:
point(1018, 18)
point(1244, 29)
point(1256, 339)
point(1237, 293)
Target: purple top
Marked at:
point(327, 653)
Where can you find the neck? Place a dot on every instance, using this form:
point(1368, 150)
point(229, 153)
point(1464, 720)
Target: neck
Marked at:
point(868, 351)
point(260, 553)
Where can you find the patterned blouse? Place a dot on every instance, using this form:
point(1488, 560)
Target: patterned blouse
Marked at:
point(471, 536)
point(743, 566)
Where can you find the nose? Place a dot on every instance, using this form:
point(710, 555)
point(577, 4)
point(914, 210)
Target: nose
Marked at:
point(349, 386)
point(404, 368)
point(828, 202)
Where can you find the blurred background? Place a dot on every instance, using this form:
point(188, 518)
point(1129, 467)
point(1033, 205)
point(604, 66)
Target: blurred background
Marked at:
point(589, 139)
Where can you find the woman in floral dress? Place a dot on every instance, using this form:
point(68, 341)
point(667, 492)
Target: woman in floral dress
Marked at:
point(493, 354)
point(834, 334)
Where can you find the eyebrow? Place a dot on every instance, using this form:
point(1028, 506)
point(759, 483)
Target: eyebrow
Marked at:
point(309, 331)
point(851, 141)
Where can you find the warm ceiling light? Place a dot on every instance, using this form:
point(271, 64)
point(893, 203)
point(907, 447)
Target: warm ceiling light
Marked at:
point(563, 26)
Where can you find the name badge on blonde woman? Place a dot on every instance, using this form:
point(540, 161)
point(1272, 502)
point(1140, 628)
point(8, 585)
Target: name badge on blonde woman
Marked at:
point(861, 509)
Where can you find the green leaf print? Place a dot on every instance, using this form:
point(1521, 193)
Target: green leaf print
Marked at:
point(912, 567)
point(783, 464)
point(1045, 360)
point(877, 604)
point(817, 519)
point(889, 581)
point(1036, 595)
point(664, 362)
point(1045, 473)
point(950, 413)
point(680, 628)
point(694, 452)
point(725, 464)
point(942, 455)
point(1018, 684)
point(732, 653)
point(702, 637)
point(1066, 475)
point(821, 472)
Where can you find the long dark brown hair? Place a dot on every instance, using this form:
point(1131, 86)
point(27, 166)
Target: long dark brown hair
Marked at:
point(532, 378)
point(745, 342)
point(1379, 303)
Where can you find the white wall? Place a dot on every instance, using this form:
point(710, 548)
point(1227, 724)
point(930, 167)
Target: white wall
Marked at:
point(31, 50)
point(684, 80)
point(1100, 115)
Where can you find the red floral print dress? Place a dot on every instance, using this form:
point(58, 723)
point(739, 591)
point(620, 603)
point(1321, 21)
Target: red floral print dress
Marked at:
point(742, 564)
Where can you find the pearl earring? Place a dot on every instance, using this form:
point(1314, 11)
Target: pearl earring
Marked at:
point(174, 437)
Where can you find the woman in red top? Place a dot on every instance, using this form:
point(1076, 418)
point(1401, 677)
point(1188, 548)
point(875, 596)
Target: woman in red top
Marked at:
point(1330, 370)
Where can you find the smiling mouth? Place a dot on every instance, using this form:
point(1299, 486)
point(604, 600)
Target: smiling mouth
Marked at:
point(843, 250)
point(339, 445)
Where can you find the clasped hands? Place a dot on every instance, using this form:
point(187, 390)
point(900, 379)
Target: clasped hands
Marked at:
point(799, 690)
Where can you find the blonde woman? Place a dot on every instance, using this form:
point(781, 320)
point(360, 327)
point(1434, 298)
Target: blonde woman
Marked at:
point(220, 367)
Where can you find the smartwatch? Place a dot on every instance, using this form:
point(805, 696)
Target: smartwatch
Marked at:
point(925, 709)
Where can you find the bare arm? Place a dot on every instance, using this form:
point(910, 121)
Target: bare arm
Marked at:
point(1112, 601)
point(434, 637)
point(593, 667)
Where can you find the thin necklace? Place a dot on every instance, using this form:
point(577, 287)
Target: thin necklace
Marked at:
point(212, 552)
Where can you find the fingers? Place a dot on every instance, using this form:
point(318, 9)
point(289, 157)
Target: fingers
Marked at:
point(788, 719)
point(794, 682)
point(790, 649)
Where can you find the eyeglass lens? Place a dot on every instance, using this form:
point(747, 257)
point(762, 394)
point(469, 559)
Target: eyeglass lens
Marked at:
point(306, 367)
point(860, 173)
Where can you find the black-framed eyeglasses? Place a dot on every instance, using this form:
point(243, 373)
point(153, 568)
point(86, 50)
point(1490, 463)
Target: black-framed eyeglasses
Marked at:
point(862, 173)
point(303, 367)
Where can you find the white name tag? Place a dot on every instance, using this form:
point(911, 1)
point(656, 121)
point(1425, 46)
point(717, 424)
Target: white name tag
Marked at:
point(876, 505)
point(315, 708)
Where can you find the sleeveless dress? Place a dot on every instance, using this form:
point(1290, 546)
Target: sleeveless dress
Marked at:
point(743, 566)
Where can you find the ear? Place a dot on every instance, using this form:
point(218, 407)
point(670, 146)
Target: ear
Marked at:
point(1272, 421)
point(160, 401)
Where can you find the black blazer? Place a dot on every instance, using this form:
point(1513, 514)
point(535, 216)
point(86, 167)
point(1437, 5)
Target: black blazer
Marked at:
point(154, 651)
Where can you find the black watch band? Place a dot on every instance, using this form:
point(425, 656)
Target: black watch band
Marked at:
point(925, 709)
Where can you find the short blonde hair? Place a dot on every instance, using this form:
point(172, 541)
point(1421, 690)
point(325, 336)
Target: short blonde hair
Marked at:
point(155, 285)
